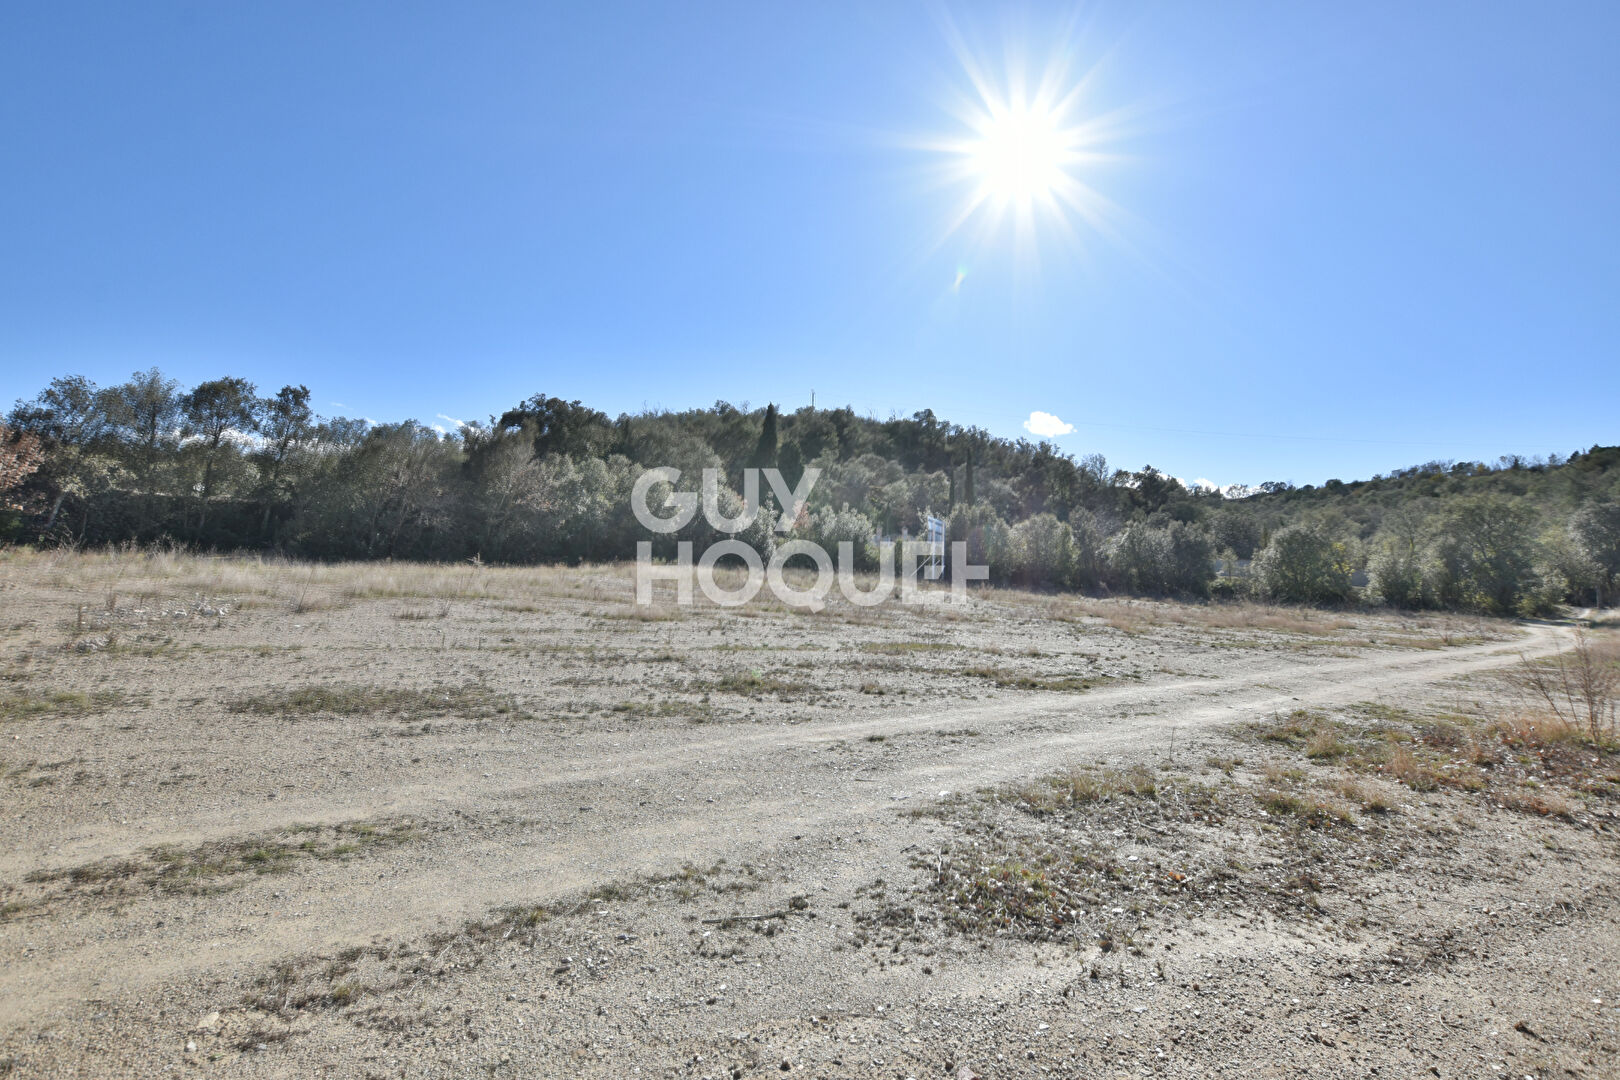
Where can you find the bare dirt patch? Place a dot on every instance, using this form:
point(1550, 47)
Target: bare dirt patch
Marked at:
point(1033, 836)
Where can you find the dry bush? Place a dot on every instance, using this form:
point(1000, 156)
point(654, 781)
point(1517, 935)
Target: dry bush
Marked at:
point(1537, 729)
point(1326, 744)
point(1481, 753)
point(1083, 787)
point(1314, 811)
point(1403, 766)
point(1299, 728)
point(1579, 688)
point(1080, 786)
point(1545, 803)
point(1369, 799)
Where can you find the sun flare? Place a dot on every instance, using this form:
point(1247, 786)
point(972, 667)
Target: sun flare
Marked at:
point(1019, 154)
point(1033, 142)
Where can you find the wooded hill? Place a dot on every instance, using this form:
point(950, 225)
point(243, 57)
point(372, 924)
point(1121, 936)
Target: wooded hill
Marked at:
point(218, 466)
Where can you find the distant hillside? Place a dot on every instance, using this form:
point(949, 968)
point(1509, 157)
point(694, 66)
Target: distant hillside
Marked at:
point(218, 466)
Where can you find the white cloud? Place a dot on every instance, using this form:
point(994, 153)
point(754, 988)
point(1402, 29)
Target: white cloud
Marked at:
point(1046, 425)
point(1229, 491)
point(451, 419)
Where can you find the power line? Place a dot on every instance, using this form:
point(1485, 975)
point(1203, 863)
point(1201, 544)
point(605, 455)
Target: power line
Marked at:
point(1260, 435)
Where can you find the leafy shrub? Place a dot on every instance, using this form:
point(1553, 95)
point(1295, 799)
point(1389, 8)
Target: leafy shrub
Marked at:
point(1397, 575)
point(989, 540)
point(1302, 566)
point(1045, 552)
point(1179, 559)
point(1139, 559)
point(828, 527)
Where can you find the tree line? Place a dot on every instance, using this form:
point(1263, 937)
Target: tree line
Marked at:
point(218, 466)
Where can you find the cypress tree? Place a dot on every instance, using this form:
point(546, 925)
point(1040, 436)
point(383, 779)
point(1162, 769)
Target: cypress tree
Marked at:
point(764, 456)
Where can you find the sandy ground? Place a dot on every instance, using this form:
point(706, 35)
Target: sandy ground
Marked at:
point(394, 821)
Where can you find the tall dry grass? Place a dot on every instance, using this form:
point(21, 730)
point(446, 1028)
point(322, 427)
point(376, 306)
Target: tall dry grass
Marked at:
point(101, 578)
point(1574, 690)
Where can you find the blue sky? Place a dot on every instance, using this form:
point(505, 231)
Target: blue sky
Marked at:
point(1323, 240)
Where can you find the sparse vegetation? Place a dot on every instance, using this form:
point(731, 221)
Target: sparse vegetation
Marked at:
point(214, 866)
point(1014, 680)
point(905, 648)
point(751, 684)
point(359, 700)
point(1501, 757)
point(1096, 856)
point(25, 705)
point(1304, 822)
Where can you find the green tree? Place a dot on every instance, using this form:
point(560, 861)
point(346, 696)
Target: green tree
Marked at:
point(287, 424)
point(1487, 554)
point(765, 450)
point(562, 427)
point(391, 495)
point(1239, 531)
point(214, 411)
point(989, 540)
point(1303, 566)
point(791, 462)
point(1192, 559)
point(146, 425)
point(74, 421)
point(1597, 530)
point(1046, 552)
point(146, 420)
point(1140, 558)
point(1398, 571)
point(829, 527)
point(1090, 562)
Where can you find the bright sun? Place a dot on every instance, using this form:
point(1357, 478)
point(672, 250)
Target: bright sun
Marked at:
point(1030, 140)
point(1019, 154)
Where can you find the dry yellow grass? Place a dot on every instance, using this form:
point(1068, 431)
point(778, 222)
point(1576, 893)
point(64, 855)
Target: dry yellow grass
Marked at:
point(1537, 728)
point(1402, 765)
point(101, 578)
